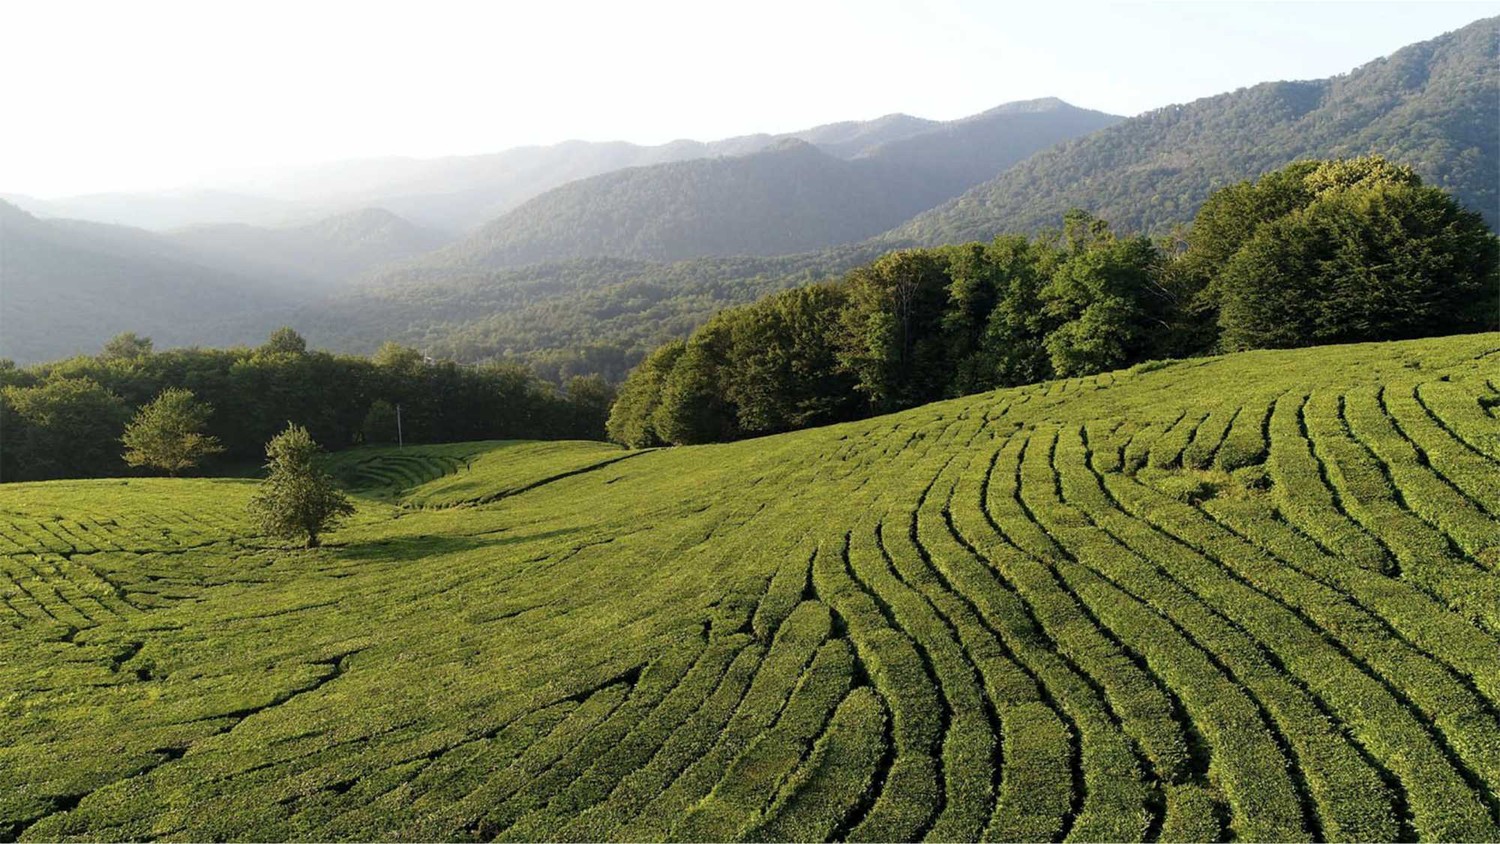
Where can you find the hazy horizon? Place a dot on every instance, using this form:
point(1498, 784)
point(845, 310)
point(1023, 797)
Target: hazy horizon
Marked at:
point(204, 96)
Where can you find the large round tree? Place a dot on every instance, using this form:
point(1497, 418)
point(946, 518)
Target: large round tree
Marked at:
point(1372, 254)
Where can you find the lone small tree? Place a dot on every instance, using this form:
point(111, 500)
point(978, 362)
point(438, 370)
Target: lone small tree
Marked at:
point(168, 433)
point(297, 500)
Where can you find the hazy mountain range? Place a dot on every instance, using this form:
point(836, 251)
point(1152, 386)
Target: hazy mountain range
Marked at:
point(457, 193)
point(535, 251)
point(792, 196)
point(1432, 104)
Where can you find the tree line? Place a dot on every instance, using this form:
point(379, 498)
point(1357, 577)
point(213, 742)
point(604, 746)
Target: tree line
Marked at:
point(1316, 252)
point(72, 418)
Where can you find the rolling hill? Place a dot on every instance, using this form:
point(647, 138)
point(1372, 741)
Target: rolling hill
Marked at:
point(792, 196)
point(1252, 597)
point(1431, 105)
point(68, 286)
point(326, 253)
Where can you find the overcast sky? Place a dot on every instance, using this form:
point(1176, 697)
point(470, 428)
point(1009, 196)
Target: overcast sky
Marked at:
point(137, 95)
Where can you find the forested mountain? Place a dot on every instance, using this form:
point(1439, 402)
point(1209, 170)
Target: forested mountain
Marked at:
point(68, 286)
point(452, 193)
point(595, 315)
point(1431, 105)
point(73, 284)
point(462, 192)
point(324, 253)
point(791, 197)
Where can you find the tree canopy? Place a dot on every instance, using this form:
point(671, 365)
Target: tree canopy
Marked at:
point(66, 419)
point(1318, 252)
point(168, 433)
point(1371, 253)
point(297, 500)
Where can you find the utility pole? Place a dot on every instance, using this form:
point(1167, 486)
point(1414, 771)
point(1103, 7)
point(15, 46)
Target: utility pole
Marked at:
point(400, 440)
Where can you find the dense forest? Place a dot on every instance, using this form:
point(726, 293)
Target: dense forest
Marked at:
point(66, 419)
point(594, 315)
point(1315, 253)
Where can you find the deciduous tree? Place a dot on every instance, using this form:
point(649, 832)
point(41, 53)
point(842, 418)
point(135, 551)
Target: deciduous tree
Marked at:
point(297, 500)
point(168, 433)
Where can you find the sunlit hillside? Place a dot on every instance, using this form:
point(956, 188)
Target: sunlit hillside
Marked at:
point(1251, 597)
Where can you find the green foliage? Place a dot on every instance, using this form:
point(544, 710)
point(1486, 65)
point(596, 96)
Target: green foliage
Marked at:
point(126, 346)
point(994, 322)
point(397, 358)
point(1105, 298)
point(689, 410)
point(168, 433)
point(889, 342)
point(284, 341)
point(1372, 255)
point(780, 368)
point(1341, 251)
point(380, 423)
point(64, 427)
point(632, 418)
point(255, 392)
point(297, 500)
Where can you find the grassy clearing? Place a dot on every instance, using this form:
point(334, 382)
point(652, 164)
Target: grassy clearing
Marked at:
point(1255, 596)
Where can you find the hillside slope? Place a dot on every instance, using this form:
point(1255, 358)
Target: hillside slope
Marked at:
point(67, 286)
point(324, 253)
point(605, 313)
point(1431, 105)
point(1254, 597)
point(792, 196)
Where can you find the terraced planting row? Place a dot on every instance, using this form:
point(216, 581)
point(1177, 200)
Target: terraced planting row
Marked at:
point(1250, 597)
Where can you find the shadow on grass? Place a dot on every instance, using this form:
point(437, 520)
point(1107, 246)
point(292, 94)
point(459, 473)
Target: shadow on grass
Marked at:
point(413, 548)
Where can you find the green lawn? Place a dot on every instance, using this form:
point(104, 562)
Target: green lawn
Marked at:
point(1250, 597)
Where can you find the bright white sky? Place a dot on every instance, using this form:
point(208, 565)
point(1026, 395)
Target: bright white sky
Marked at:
point(104, 96)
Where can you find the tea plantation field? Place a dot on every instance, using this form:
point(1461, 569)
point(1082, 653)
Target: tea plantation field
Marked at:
point(1249, 597)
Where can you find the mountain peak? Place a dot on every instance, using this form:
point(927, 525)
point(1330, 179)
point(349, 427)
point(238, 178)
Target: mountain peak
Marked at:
point(1429, 104)
point(790, 145)
point(1036, 106)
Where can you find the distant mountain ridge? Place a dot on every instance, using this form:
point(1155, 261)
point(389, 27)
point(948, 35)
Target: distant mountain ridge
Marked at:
point(324, 253)
point(792, 196)
point(1434, 105)
point(452, 193)
point(70, 285)
point(1435, 101)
